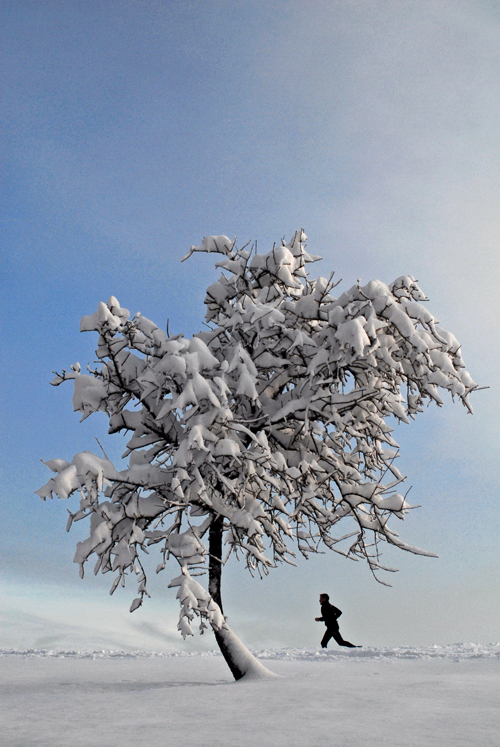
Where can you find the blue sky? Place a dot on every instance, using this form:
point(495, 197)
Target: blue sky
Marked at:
point(132, 129)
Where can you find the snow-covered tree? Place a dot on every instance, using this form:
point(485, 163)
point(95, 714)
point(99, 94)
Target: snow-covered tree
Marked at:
point(264, 436)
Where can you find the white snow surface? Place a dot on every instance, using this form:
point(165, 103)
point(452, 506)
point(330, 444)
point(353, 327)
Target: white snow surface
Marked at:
point(430, 696)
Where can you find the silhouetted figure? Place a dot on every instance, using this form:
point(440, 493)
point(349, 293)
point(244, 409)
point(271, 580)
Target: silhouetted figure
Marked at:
point(330, 615)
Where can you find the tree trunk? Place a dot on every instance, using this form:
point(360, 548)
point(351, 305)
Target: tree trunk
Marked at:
point(215, 532)
point(238, 658)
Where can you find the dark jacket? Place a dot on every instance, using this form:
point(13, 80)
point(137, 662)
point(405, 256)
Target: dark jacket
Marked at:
point(329, 614)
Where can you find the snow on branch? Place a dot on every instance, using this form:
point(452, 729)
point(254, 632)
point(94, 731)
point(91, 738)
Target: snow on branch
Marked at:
point(277, 418)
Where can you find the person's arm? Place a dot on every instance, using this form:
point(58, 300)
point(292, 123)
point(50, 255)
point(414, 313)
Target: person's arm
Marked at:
point(336, 611)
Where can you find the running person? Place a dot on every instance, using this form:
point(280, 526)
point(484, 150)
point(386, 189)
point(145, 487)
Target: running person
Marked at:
point(330, 615)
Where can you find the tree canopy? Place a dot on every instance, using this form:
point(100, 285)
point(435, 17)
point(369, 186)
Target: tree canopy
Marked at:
point(268, 430)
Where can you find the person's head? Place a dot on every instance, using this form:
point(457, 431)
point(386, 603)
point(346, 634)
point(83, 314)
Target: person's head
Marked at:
point(324, 598)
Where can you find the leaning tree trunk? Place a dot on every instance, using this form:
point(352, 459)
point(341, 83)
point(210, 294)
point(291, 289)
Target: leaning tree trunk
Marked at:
point(238, 658)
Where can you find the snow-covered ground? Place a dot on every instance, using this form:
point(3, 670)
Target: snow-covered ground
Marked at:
point(437, 696)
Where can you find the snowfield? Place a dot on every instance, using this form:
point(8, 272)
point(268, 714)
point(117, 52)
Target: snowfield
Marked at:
point(439, 696)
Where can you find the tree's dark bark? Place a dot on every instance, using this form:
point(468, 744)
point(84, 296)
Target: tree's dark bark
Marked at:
point(215, 533)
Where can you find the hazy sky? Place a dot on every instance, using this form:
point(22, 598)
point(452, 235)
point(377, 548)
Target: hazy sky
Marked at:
point(132, 129)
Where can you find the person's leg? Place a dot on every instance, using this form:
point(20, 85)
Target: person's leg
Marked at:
point(335, 633)
point(327, 637)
